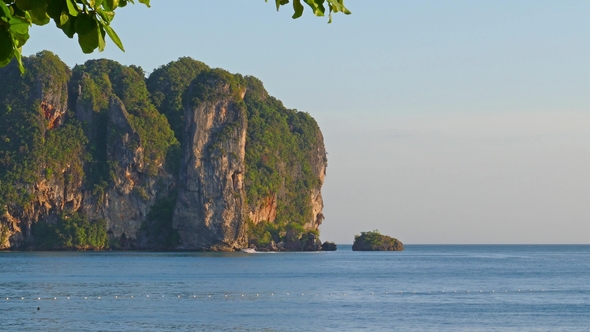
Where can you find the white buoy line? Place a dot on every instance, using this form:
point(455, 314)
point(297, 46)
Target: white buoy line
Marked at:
point(272, 295)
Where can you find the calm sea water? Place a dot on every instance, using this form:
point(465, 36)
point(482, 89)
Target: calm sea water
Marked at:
point(423, 288)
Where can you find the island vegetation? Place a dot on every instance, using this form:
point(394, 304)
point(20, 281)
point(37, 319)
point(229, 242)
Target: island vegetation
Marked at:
point(375, 241)
point(90, 157)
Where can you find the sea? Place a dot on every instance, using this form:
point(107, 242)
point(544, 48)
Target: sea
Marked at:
point(424, 288)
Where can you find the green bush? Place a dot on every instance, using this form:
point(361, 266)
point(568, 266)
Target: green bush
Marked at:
point(71, 232)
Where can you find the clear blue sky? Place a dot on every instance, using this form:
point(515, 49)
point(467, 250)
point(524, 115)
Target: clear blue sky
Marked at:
point(445, 121)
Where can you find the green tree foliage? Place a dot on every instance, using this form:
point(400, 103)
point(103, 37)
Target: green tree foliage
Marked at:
point(90, 21)
point(374, 238)
point(167, 85)
point(71, 232)
point(280, 144)
point(28, 149)
point(317, 6)
point(103, 79)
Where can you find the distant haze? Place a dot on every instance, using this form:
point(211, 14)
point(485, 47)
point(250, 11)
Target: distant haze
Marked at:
point(445, 121)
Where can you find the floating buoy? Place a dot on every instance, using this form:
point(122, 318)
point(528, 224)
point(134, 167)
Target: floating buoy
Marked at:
point(147, 296)
point(99, 297)
point(115, 297)
point(55, 298)
point(209, 295)
point(68, 297)
point(225, 295)
point(131, 295)
point(37, 298)
point(85, 298)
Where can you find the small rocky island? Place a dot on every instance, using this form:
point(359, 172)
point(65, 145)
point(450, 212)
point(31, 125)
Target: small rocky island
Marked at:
point(375, 241)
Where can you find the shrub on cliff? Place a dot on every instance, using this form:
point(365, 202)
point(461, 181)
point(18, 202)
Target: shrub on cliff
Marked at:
point(375, 241)
point(72, 232)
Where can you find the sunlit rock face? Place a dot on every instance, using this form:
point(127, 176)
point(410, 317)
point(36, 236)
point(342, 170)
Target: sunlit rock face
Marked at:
point(209, 213)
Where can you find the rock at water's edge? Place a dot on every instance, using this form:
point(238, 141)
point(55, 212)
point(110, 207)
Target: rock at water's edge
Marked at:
point(329, 246)
point(375, 241)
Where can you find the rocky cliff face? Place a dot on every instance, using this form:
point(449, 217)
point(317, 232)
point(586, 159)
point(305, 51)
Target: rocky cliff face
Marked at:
point(125, 203)
point(248, 171)
point(209, 213)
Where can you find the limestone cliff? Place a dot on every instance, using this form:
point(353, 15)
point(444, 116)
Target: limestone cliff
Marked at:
point(209, 213)
point(88, 160)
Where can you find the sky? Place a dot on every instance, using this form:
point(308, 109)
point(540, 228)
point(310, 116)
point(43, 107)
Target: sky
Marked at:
point(445, 121)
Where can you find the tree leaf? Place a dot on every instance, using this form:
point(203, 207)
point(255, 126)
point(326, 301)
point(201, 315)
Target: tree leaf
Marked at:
point(85, 23)
point(88, 42)
point(298, 8)
point(114, 37)
point(101, 43)
point(110, 5)
point(145, 2)
point(73, 8)
point(19, 25)
point(4, 11)
point(17, 54)
point(6, 47)
point(55, 8)
point(317, 10)
point(63, 18)
point(39, 16)
point(106, 16)
point(19, 39)
point(69, 28)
